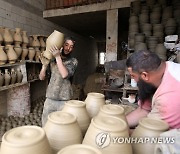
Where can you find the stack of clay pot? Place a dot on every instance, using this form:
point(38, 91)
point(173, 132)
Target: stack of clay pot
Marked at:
point(10, 77)
point(170, 26)
point(161, 51)
point(36, 46)
point(158, 31)
point(152, 42)
point(133, 29)
point(176, 13)
point(25, 42)
point(156, 20)
point(139, 42)
point(17, 42)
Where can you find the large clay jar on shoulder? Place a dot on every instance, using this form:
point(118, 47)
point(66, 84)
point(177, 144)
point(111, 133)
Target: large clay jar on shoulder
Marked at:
point(93, 103)
point(78, 109)
point(3, 56)
point(104, 133)
point(112, 110)
point(57, 39)
point(25, 140)
point(148, 128)
point(79, 148)
point(62, 130)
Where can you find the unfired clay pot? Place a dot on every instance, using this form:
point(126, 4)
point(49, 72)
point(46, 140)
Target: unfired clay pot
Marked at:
point(7, 77)
point(79, 148)
point(25, 140)
point(13, 76)
point(102, 132)
point(35, 42)
point(3, 56)
point(62, 130)
point(24, 53)
point(17, 37)
point(8, 39)
point(148, 127)
point(31, 53)
point(93, 103)
point(1, 78)
point(25, 39)
point(78, 109)
point(112, 110)
point(11, 54)
point(56, 38)
point(19, 75)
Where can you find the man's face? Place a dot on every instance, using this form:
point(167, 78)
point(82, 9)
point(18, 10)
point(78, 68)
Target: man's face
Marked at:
point(68, 47)
point(146, 90)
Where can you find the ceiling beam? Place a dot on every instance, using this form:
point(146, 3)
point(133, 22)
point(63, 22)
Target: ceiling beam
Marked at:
point(108, 5)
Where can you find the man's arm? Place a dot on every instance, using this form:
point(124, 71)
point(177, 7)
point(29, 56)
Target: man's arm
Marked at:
point(134, 116)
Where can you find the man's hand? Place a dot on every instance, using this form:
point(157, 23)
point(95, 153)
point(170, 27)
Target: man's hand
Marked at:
point(44, 60)
point(55, 51)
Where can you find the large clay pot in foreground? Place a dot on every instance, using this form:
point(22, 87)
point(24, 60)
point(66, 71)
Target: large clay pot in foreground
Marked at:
point(62, 130)
point(79, 148)
point(57, 39)
point(104, 133)
point(148, 128)
point(93, 103)
point(78, 109)
point(25, 140)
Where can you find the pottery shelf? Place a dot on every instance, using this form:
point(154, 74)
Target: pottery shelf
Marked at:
point(12, 86)
point(15, 99)
point(19, 63)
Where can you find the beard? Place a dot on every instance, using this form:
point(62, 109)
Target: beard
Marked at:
point(146, 90)
point(65, 55)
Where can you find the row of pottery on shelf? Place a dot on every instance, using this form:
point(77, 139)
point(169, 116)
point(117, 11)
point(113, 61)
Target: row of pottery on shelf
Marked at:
point(12, 54)
point(71, 128)
point(12, 77)
point(20, 37)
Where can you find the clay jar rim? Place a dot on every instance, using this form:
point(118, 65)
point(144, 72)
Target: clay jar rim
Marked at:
point(75, 103)
point(112, 109)
point(118, 124)
point(96, 95)
point(23, 132)
point(151, 122)
point(55, 117)
point(78, 147)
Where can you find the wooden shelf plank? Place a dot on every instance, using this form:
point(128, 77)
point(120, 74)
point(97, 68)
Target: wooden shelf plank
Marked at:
point(12, 86)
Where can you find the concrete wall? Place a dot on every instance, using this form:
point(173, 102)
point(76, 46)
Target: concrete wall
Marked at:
point(28, 15)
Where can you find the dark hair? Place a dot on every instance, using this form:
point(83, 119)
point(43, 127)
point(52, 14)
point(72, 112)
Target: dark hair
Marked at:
point(143, 60)
point(70, 38)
